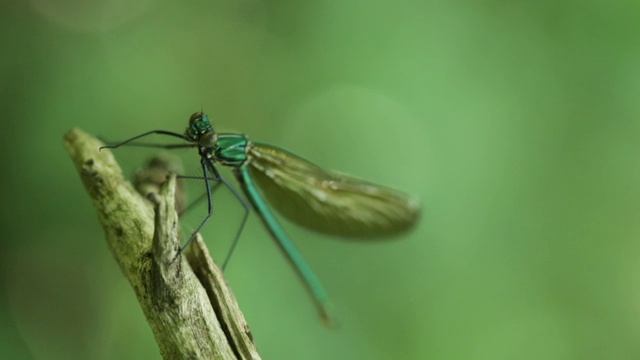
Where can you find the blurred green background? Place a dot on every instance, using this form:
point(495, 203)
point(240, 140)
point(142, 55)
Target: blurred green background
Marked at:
point(515, 123)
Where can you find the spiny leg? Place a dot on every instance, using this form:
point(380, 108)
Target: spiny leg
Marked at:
point(245, 205)
point(201, 197)
point(216, 177)
point(242, 201)
point(159, 146)
point(160, 132)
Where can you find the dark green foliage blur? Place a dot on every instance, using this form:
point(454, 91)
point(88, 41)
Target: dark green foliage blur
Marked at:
point(517, 125)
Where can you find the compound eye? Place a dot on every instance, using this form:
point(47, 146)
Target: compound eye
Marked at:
point(195, 117)
point(208, 139)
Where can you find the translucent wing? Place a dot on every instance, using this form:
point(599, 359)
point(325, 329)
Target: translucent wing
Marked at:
point(326, 201)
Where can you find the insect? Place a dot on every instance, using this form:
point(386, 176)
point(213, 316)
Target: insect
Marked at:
point(321, 200)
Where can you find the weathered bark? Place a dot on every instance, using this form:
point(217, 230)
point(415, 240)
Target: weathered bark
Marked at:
point(186, 301)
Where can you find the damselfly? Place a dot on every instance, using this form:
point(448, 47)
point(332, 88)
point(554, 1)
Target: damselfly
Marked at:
point(317, 199)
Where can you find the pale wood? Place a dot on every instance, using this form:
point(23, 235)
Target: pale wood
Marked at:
point(189, 320)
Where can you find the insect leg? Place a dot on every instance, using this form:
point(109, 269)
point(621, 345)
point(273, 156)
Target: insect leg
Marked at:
point(202, 196)
point(160, 132)
point(245, 205)
point(216, 177)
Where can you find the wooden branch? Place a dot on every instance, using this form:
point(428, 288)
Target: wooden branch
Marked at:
point(188, 305)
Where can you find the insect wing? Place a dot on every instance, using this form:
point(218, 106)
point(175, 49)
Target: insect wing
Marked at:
point(327, 201)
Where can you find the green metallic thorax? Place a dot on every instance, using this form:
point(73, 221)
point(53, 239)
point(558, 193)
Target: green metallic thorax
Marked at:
point(231, 149)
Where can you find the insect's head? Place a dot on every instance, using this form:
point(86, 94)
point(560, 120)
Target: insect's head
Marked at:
point(200, 130)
